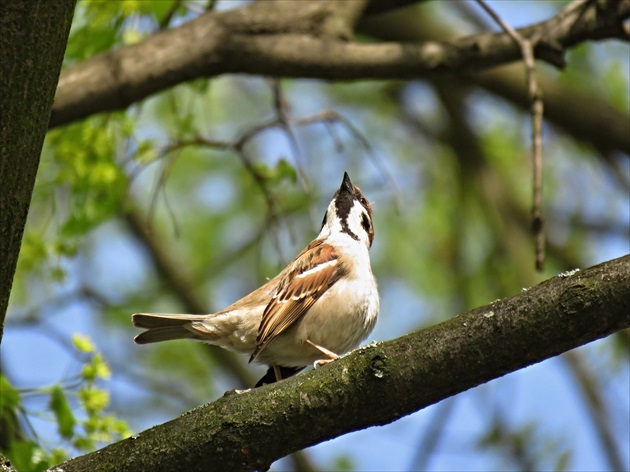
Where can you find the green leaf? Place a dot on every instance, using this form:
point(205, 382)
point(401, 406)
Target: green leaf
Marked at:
point(58, 456)
point(21, 454)
point(9, 396)
point(563, 461)
point(84, 443)
point(63, 413)
point(82, 343)
point(284, 170)
point(9, 404)
point(93, 400)
point(96, 369)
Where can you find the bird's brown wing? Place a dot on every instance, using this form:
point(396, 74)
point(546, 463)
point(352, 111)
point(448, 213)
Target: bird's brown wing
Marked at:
point(312, 272)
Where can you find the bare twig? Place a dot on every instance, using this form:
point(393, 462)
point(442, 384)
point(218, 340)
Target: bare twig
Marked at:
point(165, 21)
point(432, 434)
point(282, 108)
point(330, 117)
point(536, 111)
point(588, 384)
point(239, 145)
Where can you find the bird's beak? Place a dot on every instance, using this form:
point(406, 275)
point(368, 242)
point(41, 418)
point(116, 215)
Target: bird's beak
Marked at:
point(346, 184)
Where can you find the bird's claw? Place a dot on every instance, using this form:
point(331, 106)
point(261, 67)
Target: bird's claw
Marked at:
point(321, 362)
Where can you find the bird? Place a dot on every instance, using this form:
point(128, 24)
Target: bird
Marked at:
point(321, 305)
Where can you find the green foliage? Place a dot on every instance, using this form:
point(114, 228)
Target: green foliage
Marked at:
point(276, 174)
point(59, 405)
point(99, 26)
point(81, 186)
point(27, 456)
point(9, 404)
point(85, 155)
point(83, 343)
point(81, 428)
point(10, 398)
point(343, 464)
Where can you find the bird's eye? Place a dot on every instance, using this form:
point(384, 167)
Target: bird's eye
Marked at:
point(365, 222)
point(363, 201)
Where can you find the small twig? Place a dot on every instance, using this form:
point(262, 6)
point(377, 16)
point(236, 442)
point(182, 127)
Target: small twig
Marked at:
point(594, 398)
point(282, 107)
point(536, 111)
point(166, 19)
point(159, 185)
point(330, 117)
point(239, 144)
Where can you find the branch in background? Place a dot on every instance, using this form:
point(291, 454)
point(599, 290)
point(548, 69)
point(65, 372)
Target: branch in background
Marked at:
point(536, 107)
point(239, 146)
point(596, 406)
point(297, 40)
point(582, 114)
point(432, 435)
point(178, 282)
point(536, 110)
point(248, 430)
point(282, 109)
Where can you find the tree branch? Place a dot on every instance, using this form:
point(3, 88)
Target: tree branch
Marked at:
point(383, 382)
point(583, 114)
point(579, 113)
point(297, 40)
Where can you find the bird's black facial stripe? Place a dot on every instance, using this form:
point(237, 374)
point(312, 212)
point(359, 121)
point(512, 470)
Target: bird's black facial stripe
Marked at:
point(346, 229)
point(324, 220)
point(365, 222)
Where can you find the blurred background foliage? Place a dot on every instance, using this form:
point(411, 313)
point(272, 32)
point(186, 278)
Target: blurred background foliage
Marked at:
point(190, 199)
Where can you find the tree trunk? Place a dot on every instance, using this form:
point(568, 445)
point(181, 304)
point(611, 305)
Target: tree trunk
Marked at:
point(33, 37)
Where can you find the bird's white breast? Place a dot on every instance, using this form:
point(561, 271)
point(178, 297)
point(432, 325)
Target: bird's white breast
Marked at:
point(340, 319)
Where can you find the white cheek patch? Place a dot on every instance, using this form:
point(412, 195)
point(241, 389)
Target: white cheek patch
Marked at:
point(355, 222)
point(317, 268)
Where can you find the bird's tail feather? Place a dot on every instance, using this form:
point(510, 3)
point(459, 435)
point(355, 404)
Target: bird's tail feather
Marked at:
point(164, 327)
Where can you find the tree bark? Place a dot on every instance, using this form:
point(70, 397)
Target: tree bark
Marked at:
point(380, 383)
point(32, 44)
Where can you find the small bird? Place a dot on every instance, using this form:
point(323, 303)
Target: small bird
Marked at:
point(323, 304)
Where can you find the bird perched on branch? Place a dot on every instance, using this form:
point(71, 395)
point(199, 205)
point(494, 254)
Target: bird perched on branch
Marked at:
point(323, 304)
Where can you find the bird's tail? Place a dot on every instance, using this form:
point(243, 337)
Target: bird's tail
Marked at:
point(164, 327)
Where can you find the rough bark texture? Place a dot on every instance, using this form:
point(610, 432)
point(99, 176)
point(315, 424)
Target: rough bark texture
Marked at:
point(307, 40)
point(380, 383)
point(32, 43)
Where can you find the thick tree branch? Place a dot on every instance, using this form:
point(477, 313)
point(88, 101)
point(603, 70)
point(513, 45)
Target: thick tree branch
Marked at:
point(32, 43)
point(298, 39)
point(383, 382)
